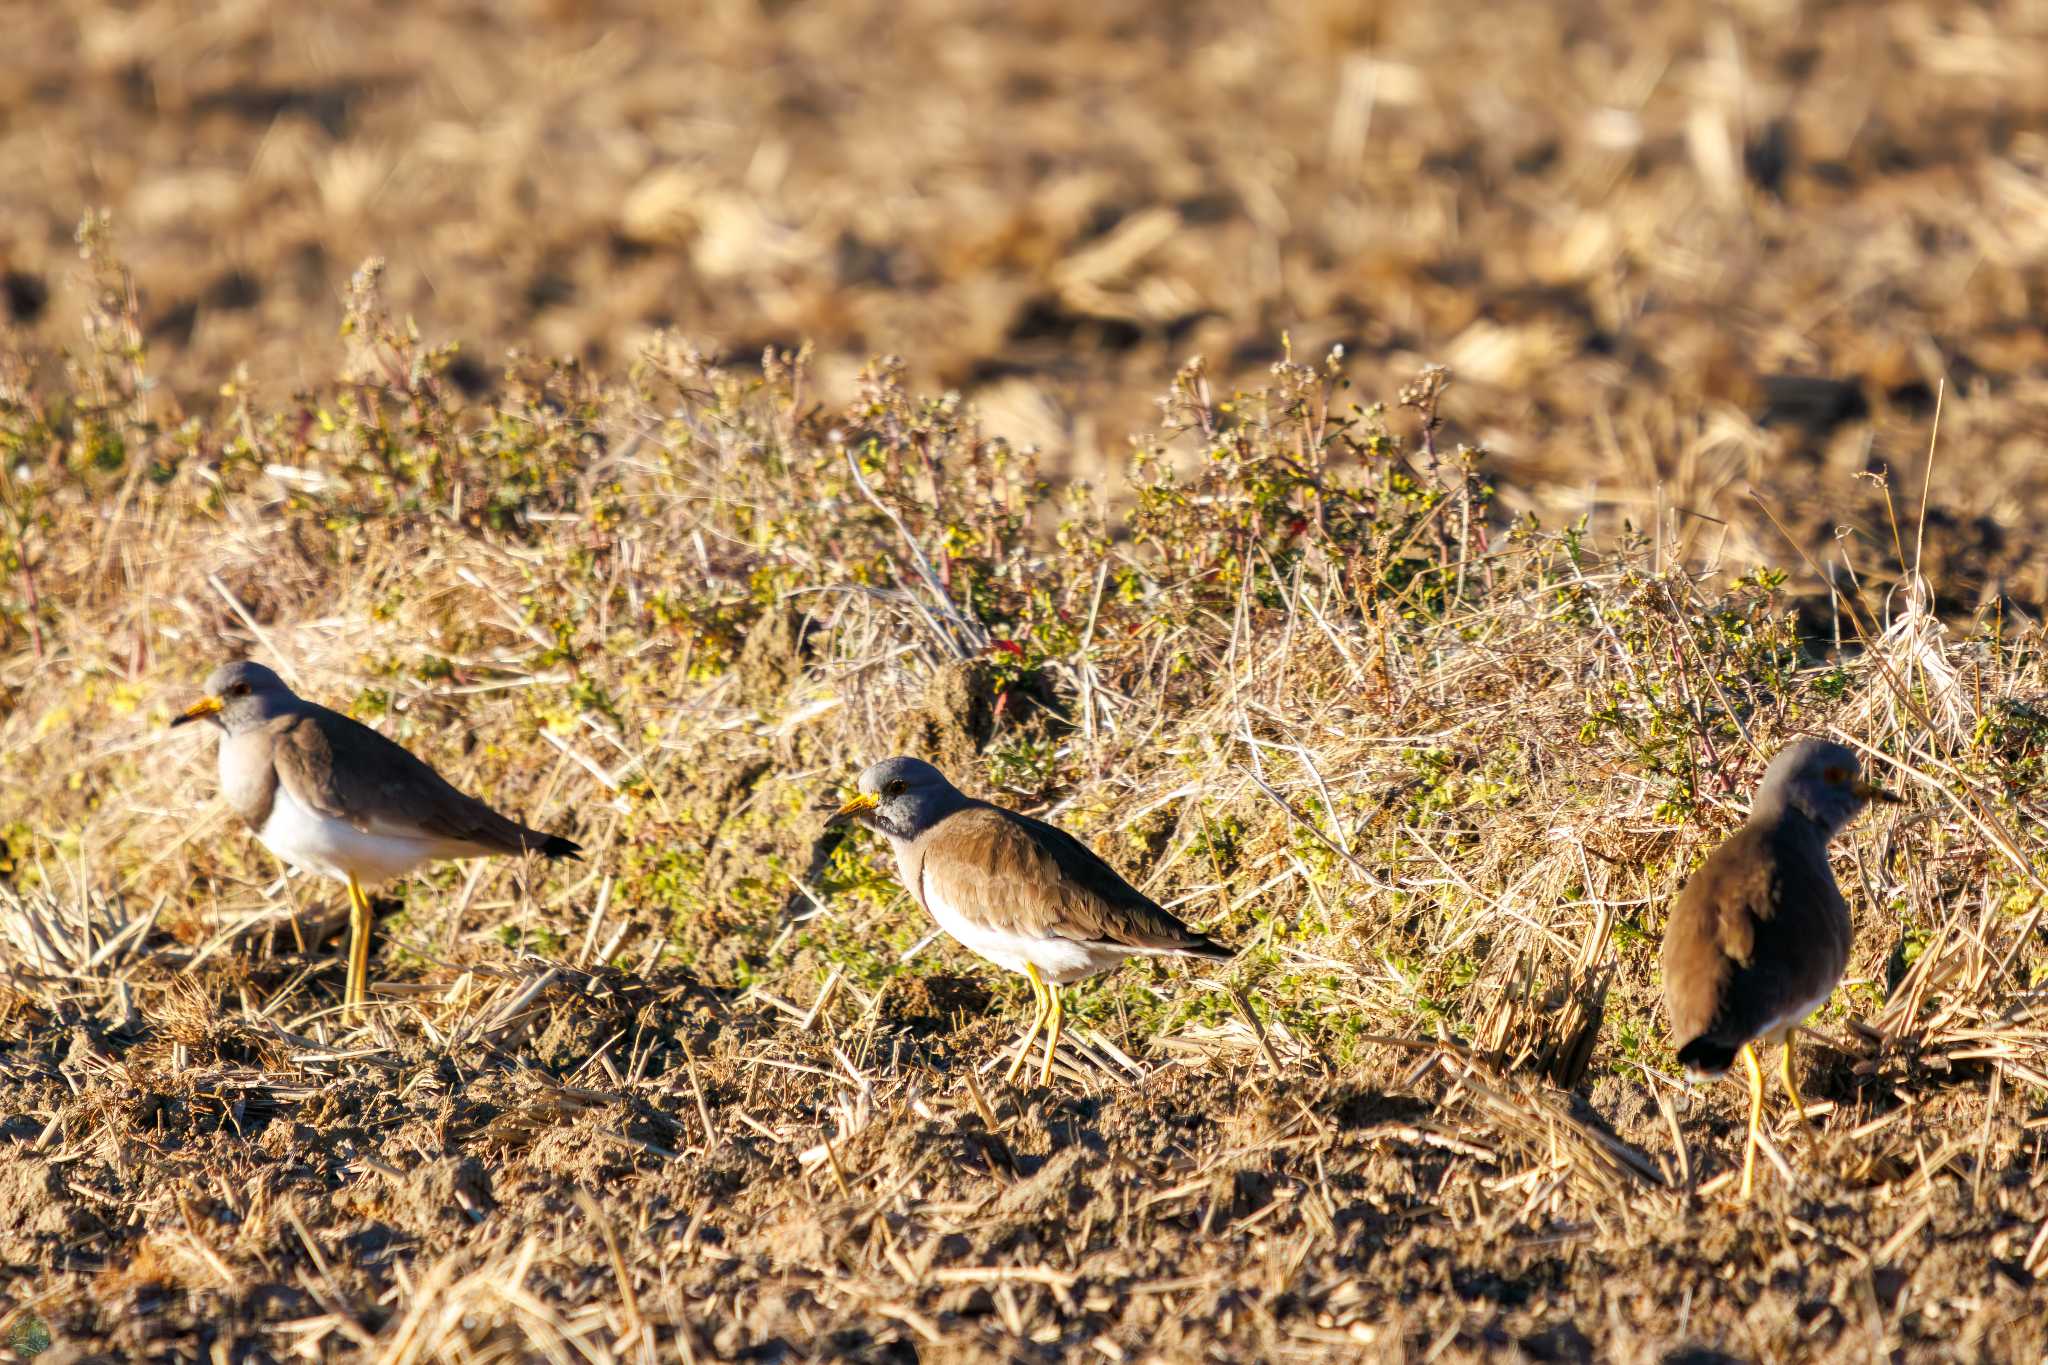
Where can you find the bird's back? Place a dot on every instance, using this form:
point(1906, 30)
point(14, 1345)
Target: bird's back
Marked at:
point(342, 768)
point(1033, 878)
point(1758, 938)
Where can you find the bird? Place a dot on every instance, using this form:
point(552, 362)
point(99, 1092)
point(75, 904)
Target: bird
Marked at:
point(1759, 936)
point(327, 794)
point(1016, 891)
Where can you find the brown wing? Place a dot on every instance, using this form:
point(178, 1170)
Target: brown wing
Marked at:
point(341, 768)
point(1758, 929)
point(1024, 876)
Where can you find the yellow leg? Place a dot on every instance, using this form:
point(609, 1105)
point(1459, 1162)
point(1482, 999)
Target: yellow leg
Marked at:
point(1756, 1118)
point(1039, 994)
point(358, 946)
point(1052, 1034)
point(1792, 1086)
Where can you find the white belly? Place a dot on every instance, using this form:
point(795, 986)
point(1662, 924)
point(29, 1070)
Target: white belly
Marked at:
point(337, 849)
point(1793, 1017)
point(1059, 960)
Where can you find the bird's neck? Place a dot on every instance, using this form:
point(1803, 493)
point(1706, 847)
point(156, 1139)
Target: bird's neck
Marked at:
point(1791, 816)
point(880, 823)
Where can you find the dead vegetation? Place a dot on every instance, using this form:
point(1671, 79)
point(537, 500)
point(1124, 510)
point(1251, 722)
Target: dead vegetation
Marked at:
point(1315, 672)
point(1671, 253)
point(715, 1093)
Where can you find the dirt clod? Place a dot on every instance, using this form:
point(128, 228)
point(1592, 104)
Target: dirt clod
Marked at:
point(954, 719)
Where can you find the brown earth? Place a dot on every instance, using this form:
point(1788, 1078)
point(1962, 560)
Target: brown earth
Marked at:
point(1405, 1206)
point(1671, 253)
point(690, 1099)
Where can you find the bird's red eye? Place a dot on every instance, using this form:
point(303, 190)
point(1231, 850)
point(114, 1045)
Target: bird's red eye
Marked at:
point(1834, 775)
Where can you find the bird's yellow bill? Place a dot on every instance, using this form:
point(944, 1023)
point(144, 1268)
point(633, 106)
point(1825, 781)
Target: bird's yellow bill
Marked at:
point(854, 806)
point(1870, 791)
point(198, 710)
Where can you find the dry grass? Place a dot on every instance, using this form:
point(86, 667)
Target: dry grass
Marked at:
point(1624, 227)
point(1381, 708)
point(710, 1095)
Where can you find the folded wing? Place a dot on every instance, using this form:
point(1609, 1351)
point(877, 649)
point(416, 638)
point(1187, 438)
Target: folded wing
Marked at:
point(1026, 877)
point(1743, 947)
point(340, 768)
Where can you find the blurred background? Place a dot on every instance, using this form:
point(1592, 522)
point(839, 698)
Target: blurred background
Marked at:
point(1671, 253)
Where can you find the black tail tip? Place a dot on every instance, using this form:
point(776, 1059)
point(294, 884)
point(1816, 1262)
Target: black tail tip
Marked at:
point(558, 847)
point(1706, 1057)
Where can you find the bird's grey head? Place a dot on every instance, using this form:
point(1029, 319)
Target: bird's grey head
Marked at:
point(1819, 779)
point(238, 696)
point(900, 797)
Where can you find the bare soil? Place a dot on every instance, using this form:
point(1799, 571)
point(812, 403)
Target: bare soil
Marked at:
point(1399, 1206)
point(1671, 254)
